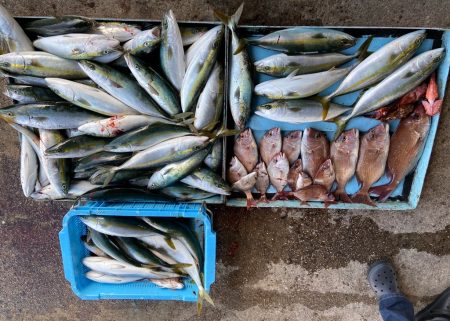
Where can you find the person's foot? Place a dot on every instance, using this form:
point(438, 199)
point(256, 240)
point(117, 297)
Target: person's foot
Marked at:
point(382, 278)
point(439, 308)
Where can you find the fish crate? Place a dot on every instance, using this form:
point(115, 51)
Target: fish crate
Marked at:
point(73, 250)
point(407, 194)
point(147, 24)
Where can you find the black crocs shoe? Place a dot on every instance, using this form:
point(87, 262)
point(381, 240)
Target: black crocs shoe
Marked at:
point(439, 309)
point(382, 279)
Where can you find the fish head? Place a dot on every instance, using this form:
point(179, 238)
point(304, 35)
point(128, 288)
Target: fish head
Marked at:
point(347, 140)
point(419, 120)
point(12, 61)
point(245, 138)
point(271, 64)
point(293, 137)
point(246, 182)
point(327, 197)
point(273, 135)
point(156, 181)
point(87, 65)
point(10, 114)
point(346, 40)
point(378, 134)
point(326, 169)
point(261, 168)
point(269, 88)
point(411, 41)
point(312, 137)
point(270, 107)
point(280, 161)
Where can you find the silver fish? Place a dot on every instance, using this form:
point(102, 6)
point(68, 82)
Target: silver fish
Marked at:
point(78, 146)
point(200, 67)
point(13, 33)
point(210, 101)
point(114, 267)
point(57, 170)
point(155, 85)
point(176, 171)
point(282, 65)
point(240, 80)
point(302, 40)
point(78, 45)
point(77, 188)
point(117, 125)
point(121, 87)
point(117, 30)
point(214, 159)
point(88, 97)
point(40, 64)
point(24, 94)
point(144, 42)
point(172, 51)
point(301, 86)
point(29, 167)
point(182, 192)
point(298, 111)
point(51, 115)
point(208, 181)
point(110, 279)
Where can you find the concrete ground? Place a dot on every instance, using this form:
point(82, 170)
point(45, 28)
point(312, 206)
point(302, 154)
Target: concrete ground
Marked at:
point(272, 264)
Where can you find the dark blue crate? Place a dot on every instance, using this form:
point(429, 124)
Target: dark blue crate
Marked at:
point(73, 251)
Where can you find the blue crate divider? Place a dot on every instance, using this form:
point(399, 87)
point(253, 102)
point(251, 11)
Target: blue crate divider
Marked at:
point(73, 251)
point(260, 125)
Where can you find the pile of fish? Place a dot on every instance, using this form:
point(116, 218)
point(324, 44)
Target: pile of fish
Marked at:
point(310, 67)
point(130, 249)
point(101, 104)
point(397, 84)
point(306, 164)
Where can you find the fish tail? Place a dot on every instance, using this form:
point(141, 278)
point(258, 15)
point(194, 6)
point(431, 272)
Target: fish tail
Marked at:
point(362, 197)
point(222, 132)
point(342, 196)
point(263, 199)
point(362, 52)
point(325, 101)
point(204, 295)
point(384, 191)
point(230, 21)
point(340, 122)
point(250, 200)
point(110, 177)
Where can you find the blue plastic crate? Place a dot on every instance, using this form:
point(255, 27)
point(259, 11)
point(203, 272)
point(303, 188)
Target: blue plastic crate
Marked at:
point(73, 251)
point(406, 195)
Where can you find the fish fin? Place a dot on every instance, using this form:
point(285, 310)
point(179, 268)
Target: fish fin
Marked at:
point(325, 101)
point(383, 191)
point(183, 115)
point(241, 46)
point(280, 196)
point(362, 52)
point(363, 198)
point(180, 265)
point(110, 177)
point(204, 295)
point(169, 242)
point(340, 122)
point(328, 203)
point(342, 196)
point(292, 74)
point(263, 199)
point(230, 21)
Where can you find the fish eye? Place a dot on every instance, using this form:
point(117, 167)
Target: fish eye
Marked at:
point(136, 66)
point(10, 114)
point(147, 43)
point(90, 66)
point(267, 68)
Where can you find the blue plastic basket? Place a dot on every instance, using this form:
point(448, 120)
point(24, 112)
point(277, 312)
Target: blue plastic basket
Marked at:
point(406, 195)
point(73, 251)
